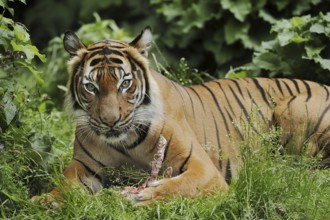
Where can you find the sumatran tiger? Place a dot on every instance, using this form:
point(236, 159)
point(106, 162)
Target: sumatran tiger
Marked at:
point(122, 106)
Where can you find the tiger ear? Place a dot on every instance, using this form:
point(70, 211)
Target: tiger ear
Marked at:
point(143, 42)
point(72, 43)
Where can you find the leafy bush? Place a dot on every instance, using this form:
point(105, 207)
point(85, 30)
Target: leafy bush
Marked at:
point(218, 34)
point(301, 49)
point(27, 121)
point(212, 35)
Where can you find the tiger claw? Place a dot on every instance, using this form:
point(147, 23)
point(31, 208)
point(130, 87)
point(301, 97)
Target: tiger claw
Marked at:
point(142, 197)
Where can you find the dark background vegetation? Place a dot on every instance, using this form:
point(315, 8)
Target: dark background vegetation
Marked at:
point(212, 35)
point(195, 40)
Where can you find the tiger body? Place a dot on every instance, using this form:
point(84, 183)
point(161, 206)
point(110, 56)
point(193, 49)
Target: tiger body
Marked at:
point(122, 107)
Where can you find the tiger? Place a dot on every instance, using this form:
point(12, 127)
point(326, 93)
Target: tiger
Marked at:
point(121, 106)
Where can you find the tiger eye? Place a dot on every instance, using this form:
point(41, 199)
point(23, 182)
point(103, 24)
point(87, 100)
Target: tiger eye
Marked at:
point(125, 84)
point(90, 87)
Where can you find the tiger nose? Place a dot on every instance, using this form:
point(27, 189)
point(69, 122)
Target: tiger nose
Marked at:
point(109, 120)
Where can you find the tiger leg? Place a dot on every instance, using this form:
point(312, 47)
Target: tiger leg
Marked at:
point(305, 121)
point(75, 174)
point(197, 175)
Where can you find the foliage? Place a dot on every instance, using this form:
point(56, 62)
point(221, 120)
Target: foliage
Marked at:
point(270, 186)
point(26, 120)
point(300, 50)
point(228, 30)
point(212, 35)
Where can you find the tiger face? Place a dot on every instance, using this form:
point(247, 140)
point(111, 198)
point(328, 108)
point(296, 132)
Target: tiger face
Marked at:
point(109, 88)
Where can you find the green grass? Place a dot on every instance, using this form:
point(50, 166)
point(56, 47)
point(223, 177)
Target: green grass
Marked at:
point(270, 186)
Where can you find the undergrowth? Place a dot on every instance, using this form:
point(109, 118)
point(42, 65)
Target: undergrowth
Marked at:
point(270, 186)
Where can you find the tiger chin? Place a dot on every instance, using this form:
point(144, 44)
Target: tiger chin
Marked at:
point(122, 106)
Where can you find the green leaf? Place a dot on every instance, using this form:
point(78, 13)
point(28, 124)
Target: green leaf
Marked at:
point(298, 39)
point(317, 28)
point(281, 4)
point(298, 21)
point(35, 73)
point(235, 30)
point(268, 61)
point(313, 51)
point(240, 8)
point(284, 38)
point(29, 50)
point(326, 17)
point(21, 34)
point(240, 74)
point(325, 63)
point(9, 108)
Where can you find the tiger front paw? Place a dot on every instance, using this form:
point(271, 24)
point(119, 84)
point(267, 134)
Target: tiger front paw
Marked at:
point(48, 200)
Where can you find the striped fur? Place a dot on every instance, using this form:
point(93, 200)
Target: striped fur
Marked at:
point(122, 106)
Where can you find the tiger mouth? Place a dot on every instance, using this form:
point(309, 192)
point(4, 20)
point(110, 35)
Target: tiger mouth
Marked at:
point(108, 132)
point(111, 133)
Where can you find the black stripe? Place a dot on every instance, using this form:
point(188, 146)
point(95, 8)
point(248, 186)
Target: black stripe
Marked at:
point(132, 60)
point(327, 91)
point(95, 174)
point(167, 146)
point(205, 137)
point(191, 102)
point(133, 66)
point(146, 99)
point(309, 93)
point(291, 100)
point(279, 86)
point(76, 71)
point(244, 110)
point(239, 103)
point(237, 85)
point(82, 182)
point(186, 160)
point(89, 154)
point(287, 140)
point(326, 130)
point(235, 127)
point(115, 60)
point(228, 174)
point(192, 89)
point(259, 111)
point(179, 92)
point(261, 90)
point(321, 118)
point(218, 106)
point(223, 91)
point(288, 88)
point(142, 130)
point(108, 51)
point(95, 61)
point(295, 83)
point(216, 132)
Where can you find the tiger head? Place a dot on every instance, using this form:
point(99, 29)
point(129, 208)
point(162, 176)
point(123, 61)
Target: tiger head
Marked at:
point(111, 90)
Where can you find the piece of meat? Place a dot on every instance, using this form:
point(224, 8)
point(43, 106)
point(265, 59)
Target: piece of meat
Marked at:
point(156, 165)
